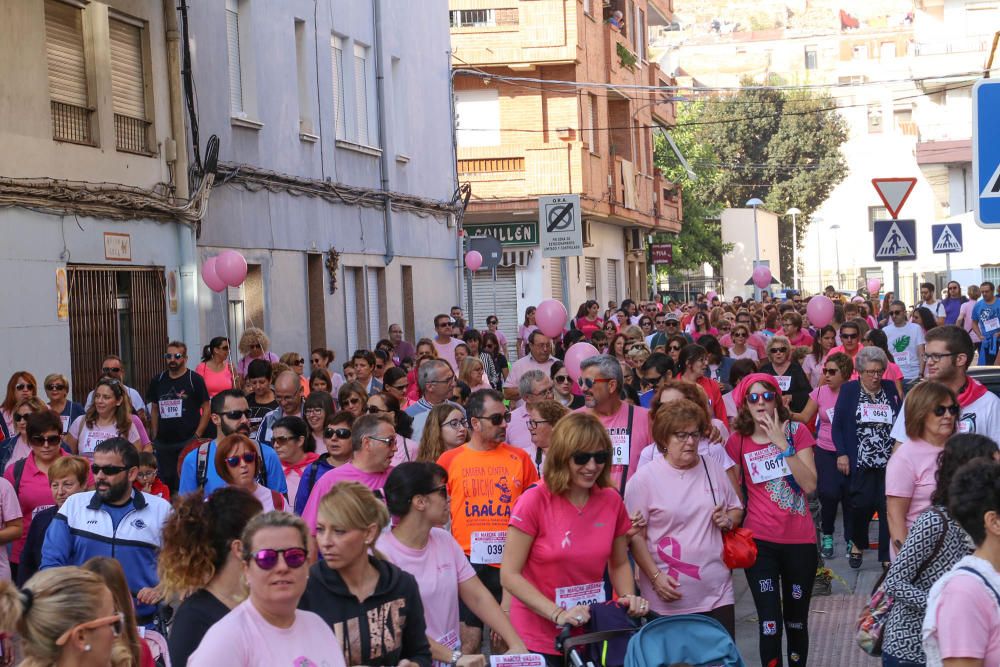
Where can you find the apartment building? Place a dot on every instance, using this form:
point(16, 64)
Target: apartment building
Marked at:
point(554, 97)
point(335, 177)
point(99, 246)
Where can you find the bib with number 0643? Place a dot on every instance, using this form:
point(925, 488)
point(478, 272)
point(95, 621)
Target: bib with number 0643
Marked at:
point(584, 594)
point(486, 547)
point(620, 449)
point(764, 465)
point(876, 413)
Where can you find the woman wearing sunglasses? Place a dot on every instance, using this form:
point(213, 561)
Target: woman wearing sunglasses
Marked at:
point(21, 385)
point(690, 367)
point(238, 461)
point(787, 372)
point(109, 416)
point(563, 385)
point(496, 350)
point(739, 349)
point(296, 449)
point(268, 629)
point(64, 616)
point(931, 412)
point(214, 366)
point(563, 535)
point(394, 384)
point(254, 344)
point(387, 406)
point(353, 398)
point(369, 601)
point(777, 470)
point(17, 447)
point(337, 451)
point(417, 493)
point(862, 425)
point(445, 429)
point(57, 391)
point(542, 418)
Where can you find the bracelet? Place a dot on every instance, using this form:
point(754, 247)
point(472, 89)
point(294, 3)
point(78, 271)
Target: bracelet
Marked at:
point(653, 578)
point(554, 616)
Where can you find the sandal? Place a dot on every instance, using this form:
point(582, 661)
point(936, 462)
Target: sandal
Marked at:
point(854, 559)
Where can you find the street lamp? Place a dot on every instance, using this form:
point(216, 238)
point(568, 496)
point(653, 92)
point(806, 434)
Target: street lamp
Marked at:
point(795, 244)
point(754, 203)
point(816, 220)
point(836, 241)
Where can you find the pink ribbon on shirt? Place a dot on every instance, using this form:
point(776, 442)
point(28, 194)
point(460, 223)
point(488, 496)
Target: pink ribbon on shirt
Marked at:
point(669, 551)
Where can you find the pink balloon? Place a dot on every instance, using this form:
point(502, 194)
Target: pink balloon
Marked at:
point(711, 295)
point(231, 267)
point(576, 355)
point(210, 275)
point(874, 285)
point(473, 260)
point(820, 311)
point(550, 316)
point(857, 299)
point(761, 276)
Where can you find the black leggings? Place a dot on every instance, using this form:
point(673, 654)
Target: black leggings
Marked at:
point(781, 582)
point(868, 497)
point(832, 489)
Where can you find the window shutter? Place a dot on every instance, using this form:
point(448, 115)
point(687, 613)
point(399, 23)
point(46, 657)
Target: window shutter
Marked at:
point(374, 311)
point(64, 50)
point(361, 94)
point(127, 85)
point(351, 308)
point(337, 58)
point(235, 69)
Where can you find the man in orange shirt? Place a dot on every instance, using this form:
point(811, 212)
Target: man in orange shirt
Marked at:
point(485, 478)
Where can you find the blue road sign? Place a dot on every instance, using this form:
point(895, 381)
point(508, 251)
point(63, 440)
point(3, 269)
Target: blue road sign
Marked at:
point(895, 240)
point(986, 152)
point(946, 238)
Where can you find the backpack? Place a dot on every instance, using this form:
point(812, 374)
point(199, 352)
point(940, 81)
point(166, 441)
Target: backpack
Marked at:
point(18, 473)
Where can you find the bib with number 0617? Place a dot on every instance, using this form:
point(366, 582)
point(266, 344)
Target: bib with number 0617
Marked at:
point(486, 547)
point(620, 449)
point(876, 413)
point(764, 465)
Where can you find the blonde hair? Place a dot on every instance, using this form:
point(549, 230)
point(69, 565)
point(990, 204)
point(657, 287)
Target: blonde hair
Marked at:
point(251, 336)
point(59, 377)
point(76, 467)
point(353, 506)
point(60, 599)
point(466, 371)
point(110, 570)
point(576, 432)
point(272, 519)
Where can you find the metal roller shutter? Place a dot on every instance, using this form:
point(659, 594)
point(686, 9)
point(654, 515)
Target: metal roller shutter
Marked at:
point(374, 311)
point(337, 62)
point(504, 290)
point(64, 50)
point(235, 68)
point(590, 271)
point(351, 309)
point(127, 81)
point(613, 280)
point(555, 276)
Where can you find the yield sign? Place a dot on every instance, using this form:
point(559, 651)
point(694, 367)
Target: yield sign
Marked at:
point(894, 192)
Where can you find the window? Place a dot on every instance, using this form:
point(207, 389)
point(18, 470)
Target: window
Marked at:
point(302, 79)
point(236, 105)
point(472, 18)
point(812, 58)
point(591, 122)
point(874, 119)
point(991, 273)
point(400, 111)
point(367, 126)
point(128, 87)
point(860, 52)
point(640, 33)
point(876, 213)
point(631, 34)
point(586, 7)
point(67, 73)
point(887, 51)
point(337, 60)
point(477, 119)
point(376, 306)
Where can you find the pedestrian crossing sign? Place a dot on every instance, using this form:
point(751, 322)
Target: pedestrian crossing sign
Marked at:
point(895, 240)
point(986, 152)
point(946, 238)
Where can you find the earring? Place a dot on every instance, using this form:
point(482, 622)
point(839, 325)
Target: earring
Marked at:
point(86, 647)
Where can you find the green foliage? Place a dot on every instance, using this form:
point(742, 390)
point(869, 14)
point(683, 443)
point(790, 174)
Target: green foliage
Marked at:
point(626, 57)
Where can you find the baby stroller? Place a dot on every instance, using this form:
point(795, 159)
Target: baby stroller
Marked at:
point(604, 639)
point(690, 638)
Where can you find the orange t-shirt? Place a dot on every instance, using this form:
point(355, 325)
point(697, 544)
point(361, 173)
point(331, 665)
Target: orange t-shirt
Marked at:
point(483, 487)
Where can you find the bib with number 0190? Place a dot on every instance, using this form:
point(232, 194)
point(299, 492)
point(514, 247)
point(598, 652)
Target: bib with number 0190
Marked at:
point(584, 594)
point(876, 413)
point(170, 408)
point(620, 449)
point(784, 382)
point(764, 465)
point(486, 547)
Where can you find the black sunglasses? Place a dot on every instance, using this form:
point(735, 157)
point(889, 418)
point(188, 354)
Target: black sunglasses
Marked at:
point(55, 387)
point(653, 381)
point(246, 457)
point(51, 440)
point(110, 471)
point(831, 371)
point(23, 386)
point(844, 336)
point(21, 417)
point(953, 409)
point(236, 414)
point(583, 458)
point(107, 370)
point(173, 355)
point(341, 433)
point(498, 418)
point(779, 350)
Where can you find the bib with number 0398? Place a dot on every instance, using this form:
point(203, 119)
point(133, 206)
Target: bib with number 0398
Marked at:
point(620, 449)
point(765, 465)
point(486, 547)
point(876, 413)
point(170, 408)
point(584, 594)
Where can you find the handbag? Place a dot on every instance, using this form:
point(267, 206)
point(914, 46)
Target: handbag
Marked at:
point(875, 614)
point(738, 548)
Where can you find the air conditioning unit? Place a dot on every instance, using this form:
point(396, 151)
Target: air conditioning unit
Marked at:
point(588, 242)
point(635, 240)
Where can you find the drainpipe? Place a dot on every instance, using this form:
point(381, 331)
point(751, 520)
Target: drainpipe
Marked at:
point(459, 268)
point(186, 241)
point(383, 163)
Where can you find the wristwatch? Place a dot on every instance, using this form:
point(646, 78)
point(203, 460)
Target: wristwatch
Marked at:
point(455, 657)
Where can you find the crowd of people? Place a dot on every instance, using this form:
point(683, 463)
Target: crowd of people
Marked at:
point(428, 498)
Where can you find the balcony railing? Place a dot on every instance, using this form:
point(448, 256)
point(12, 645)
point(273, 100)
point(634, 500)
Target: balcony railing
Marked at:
point(491, 165)
point(71, 123)
point(131, 134)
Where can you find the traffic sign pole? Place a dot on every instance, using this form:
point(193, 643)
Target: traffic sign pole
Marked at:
point(895, 278)
point(947, 265)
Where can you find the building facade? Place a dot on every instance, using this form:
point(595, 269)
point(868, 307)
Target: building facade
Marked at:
point(553, 98)
point(335, 176)
point(99, 233)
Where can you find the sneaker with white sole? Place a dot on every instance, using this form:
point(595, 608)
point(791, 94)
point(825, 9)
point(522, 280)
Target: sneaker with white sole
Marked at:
point(826, 549)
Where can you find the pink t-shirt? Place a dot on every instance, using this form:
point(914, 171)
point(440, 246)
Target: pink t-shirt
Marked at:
point(242, 637)
point(523, 365)
point(680, 535)
point(826, 400)
point(87, 438)
point(517, 430)
point(9, 510)
point(802, 340)
point(776, 512)
point(345, 473)
point(215, 381)
point(438, 568)
point(968, 620)
point(569, 554)
point(911, 474)
point(624, 447)
point(446, 351)
point(406, 450)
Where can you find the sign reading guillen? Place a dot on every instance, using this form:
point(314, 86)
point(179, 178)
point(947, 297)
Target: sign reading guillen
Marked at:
point(561, 226)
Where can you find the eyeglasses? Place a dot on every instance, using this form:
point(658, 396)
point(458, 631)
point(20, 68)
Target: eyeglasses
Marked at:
point(688, 436)
point(778, 350)
point(441, 325)
point(498, 418)
point(399, 387)
point(173, 355)
point(830, 372)
point(339, 433)
point(353, 400)
point(674, 348)
point(46, 440)
point(282, 439)
point(583, 458)
point(267, 559)
point(147, 474)
point(108, 370)
point(844, 336)
point(588, 383)
point(874, 372)
point(298, 362)
point(110, 471)
point(316, 361)
point(671, 323)
point(256, 346)
point(455, 424)
point(384, 441)
point(544, 392)
point(559, 379)
point(440, 490)
point(739, 334)
point(314, 411)
point(533, 423)
point(651, 381)
point(245, 457)
point(374, 409)
point(897, 312)
point(24, 386)
point(117, 623)
point(952, 409)
point(21, 416)
point(450, 380)
point(55, 387)
point(379, 367)
point(938, 356)
point(766, 396)
point(236, 414)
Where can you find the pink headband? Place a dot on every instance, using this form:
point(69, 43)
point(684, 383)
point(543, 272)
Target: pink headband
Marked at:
point(743, 388)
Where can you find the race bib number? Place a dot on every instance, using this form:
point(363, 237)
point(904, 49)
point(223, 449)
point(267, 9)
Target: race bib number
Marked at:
point(992, 324)
point(65, 423)
point(764, 465)
point(876, 413)
point(829, 415)
point(784, 382)
point(517, 660)
point(451, 640)
point(904, 358)
point(90, 443)
point(620, 449)
point(486, 547)
point(584, 594)
point(170, 408)
point(965, 426)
